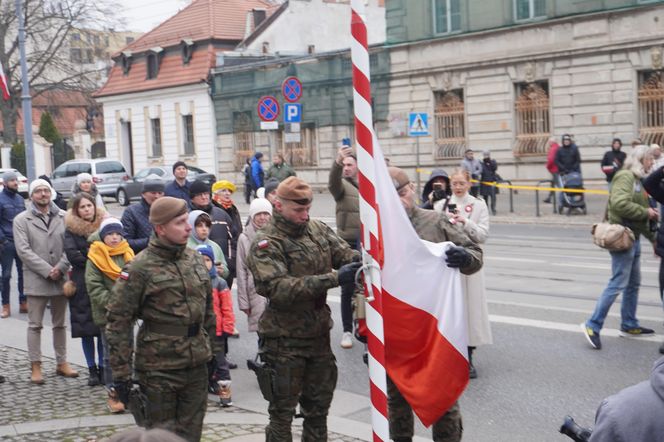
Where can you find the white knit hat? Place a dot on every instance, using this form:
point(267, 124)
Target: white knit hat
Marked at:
point(39, 183)
point(110, 225)
point(259, 205)
point(83, 177)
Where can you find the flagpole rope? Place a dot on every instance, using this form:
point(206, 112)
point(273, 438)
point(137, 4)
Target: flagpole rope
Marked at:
point(370, 221)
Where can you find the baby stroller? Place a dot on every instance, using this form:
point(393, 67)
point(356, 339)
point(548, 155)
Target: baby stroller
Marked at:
point(571, 200)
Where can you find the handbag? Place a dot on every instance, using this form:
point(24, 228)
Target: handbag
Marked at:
point(612, 237)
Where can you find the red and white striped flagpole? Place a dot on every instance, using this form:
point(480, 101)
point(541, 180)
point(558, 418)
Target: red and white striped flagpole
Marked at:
point(370, 218)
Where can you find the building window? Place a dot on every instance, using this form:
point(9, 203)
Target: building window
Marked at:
point(75, 37)
point(529, 9)
point(533, 124)
point(75, 55)
point(449, 115)
point(129, 40)
point(301, 154)
point(188, 130)
point(126, 60)
point(651, 107)
point(447, 16)
point(153, 66)
point(187, 51)
point(243, 136)
point(155, 125)
point(89, 56)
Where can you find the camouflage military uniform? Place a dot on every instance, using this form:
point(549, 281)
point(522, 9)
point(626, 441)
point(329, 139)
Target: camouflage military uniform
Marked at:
point(168, 287)
point(292, 266)
point(435, 227)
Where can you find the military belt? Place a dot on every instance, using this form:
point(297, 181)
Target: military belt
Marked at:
point(173, 330)
point(299, 307)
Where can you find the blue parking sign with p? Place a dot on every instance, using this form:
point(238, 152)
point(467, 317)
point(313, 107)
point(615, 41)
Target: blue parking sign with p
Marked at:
point(292, 113)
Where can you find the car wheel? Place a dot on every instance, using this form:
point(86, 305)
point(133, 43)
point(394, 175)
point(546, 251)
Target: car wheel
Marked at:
point(122, 198)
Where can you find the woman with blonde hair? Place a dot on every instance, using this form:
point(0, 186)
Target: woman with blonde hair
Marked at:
point(628, 205)
point(472, 216)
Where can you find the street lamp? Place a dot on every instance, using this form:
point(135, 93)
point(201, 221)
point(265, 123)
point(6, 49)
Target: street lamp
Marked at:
point(26, 99)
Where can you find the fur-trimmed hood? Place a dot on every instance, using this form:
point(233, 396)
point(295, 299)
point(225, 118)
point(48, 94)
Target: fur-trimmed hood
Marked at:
point(78, 226)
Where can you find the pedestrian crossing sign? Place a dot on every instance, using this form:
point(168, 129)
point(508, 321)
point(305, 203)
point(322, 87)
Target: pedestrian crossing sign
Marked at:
point(418, 124)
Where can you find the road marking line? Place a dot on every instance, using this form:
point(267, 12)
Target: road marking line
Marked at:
point(566, 309)
point(560, 326)
point(504, 258)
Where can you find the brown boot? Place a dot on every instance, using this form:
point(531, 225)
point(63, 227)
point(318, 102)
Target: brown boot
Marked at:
point(65, 370)
point(114, 405)
point(5, 311)
point(36, 376)
point(23, 307)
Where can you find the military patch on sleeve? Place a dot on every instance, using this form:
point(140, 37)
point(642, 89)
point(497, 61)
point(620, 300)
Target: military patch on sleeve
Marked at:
point(124, 275)
point(263, 244)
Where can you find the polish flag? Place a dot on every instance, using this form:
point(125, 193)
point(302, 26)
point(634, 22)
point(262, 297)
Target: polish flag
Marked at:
point(424, 314)
point(4, 84)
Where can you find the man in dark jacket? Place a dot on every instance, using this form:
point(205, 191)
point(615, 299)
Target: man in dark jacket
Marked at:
point(179, 187)
point(489, 175)
point(568, 158)
point(613, 160)
point(220, 232)
point(135, 219)
point(635, 413)
point(11, 204)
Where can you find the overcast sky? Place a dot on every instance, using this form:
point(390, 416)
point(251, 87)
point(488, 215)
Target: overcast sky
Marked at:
point(143, 15)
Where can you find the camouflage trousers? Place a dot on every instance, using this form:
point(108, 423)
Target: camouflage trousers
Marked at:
point(305, 372)
point(448, 428)
point(177, 400)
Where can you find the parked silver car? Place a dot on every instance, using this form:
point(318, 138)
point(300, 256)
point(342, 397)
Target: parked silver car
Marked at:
point(130, 190)
point(107, 175)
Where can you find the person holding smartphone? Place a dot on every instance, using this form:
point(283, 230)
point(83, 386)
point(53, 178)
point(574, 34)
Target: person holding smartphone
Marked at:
point(436, 192)
point(344, 188)
point(472, 216)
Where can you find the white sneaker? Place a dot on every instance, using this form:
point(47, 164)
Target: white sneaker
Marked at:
point(347, 340)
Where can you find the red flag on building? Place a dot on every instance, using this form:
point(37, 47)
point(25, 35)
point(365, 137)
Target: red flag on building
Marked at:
point(4, 84)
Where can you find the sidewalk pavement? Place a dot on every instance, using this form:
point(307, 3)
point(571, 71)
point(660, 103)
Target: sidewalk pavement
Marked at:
point(68, 410)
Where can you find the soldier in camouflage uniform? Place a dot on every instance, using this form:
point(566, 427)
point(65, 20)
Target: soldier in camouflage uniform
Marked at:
point(467, 256)
point(292, 261)
point(168, 287)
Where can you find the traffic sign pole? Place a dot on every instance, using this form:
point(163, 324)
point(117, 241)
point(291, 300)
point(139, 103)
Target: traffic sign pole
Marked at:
point(417, 164)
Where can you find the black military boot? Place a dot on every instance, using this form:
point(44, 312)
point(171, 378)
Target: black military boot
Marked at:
point(93, 377)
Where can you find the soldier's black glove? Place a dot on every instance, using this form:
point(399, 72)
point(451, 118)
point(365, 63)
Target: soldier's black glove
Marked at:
point(346, 273)
point(457, 257)
point(122, 389)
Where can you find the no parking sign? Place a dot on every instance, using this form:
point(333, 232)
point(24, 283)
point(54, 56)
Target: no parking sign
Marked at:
point(268, 108)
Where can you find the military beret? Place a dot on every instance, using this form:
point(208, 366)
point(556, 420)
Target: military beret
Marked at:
point(399, 177)
point(165, 209)
point(295, 189)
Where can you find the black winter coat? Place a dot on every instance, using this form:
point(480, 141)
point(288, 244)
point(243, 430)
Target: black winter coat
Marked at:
point(76, 249)
point(136, 225)
point(612, 162)
point(654, 185)
point(236, 230)
point(568, 159)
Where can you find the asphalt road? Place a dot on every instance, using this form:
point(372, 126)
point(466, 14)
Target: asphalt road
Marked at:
point(542, 282)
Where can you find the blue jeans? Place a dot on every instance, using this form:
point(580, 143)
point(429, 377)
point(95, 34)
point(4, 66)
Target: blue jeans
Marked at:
point(626, 278)
point(7, 257)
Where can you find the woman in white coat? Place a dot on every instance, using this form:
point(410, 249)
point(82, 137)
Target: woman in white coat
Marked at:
point(472, 215)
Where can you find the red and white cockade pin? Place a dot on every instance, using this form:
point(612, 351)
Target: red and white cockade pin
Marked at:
point(469, 208)
point(124, 275)
point(262, 244)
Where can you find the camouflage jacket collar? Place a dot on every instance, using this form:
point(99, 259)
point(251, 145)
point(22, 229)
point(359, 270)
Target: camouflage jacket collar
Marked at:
point(165, 249)
point(289, 228)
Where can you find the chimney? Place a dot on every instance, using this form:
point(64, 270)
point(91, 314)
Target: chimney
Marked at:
point(311, 49)
point(266, 47)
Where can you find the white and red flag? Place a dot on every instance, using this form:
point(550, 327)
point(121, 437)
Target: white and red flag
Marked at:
point(4, 84)
point(424, 313)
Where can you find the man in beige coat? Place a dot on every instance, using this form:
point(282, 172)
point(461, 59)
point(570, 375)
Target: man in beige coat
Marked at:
point(39, 238)
point(343, 186)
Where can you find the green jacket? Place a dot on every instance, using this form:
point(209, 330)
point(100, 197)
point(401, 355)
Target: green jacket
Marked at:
point(347, 196)
point(280, 172)
point(99, 285)
point(169, 288)
point(628, 204)
point(293, 267)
